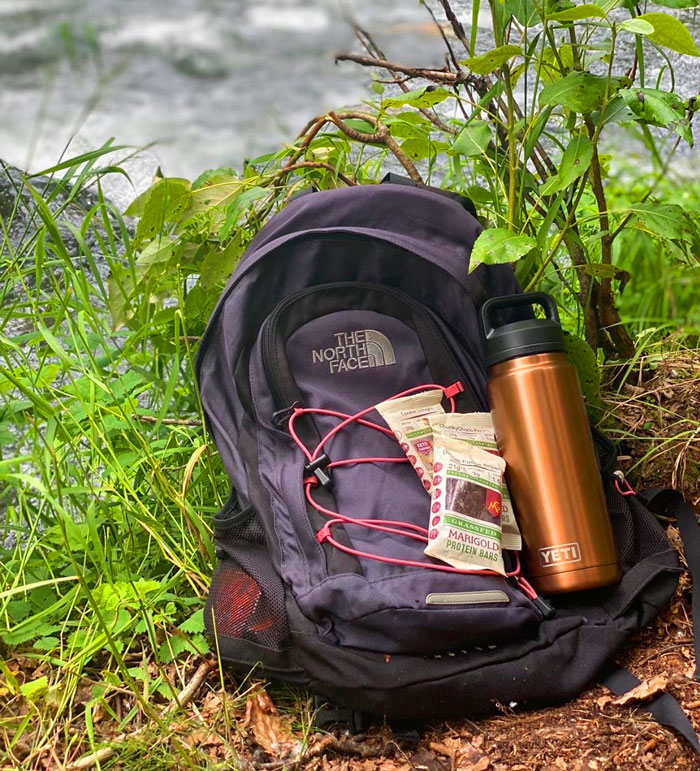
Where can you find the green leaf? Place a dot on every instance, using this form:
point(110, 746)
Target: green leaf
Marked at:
point(473, 139)
point(217, 191)
point(479, 195)
point(584, 359)
point(552, 62)
point(498, 245)
point(659, 108)
point(218, 265)
point(403, 129)
point(616, 111)
point(492, 60)
point(421, 97)
point(194, 624)
point(670, 33)
point(160, 250)
point(637, 26)
point(584, 11)
point(165, 201)
point(418, 148)
point(677, 3)
point(238, 206)
point(46, 643)
point(578, 91)
point(34, 689)
point(574, 163)
point(525, 11)
point(667, 221)
point(174, 646)
point(211, 175)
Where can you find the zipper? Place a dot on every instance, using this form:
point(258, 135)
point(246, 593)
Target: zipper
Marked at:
point(271, 351)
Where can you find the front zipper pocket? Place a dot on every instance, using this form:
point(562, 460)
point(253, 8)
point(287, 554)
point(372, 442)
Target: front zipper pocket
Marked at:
point(344, 347)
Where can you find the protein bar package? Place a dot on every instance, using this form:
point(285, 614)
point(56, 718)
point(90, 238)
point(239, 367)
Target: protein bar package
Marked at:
point(465, 513)
point(408, 417)
point(477, 429)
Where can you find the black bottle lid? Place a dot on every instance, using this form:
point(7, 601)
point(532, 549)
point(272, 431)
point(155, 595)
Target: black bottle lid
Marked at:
point(521, 338)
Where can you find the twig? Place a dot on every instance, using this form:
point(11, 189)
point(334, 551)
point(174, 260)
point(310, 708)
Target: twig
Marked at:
point(193, 422)
point(310, 130)
point(181, 700)
point(457, 27)
point(437, 76)
point(342, 746)
point(448, 45)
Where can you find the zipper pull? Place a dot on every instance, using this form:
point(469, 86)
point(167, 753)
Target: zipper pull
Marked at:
point(453, 390)
point(543, 607)
point(280, 417)
point(620, 480)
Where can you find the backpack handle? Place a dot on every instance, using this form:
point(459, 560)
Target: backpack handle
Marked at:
point(397, 179)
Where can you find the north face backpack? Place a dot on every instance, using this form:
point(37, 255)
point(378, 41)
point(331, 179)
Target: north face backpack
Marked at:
point(344, 299)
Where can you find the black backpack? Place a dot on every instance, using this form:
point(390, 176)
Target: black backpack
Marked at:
point(344, 299)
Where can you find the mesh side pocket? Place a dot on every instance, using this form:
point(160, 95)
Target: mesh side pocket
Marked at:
point(246, 600)
point(637, 531)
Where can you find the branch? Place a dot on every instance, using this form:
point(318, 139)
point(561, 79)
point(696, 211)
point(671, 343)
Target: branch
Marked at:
point(443, 76)
point(608, 312)
point(381, 136)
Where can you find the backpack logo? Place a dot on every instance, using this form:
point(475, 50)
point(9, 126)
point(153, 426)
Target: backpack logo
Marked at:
point(355, 350)
point(559, 554)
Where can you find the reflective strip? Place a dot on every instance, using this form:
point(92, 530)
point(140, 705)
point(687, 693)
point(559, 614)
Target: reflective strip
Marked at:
point(466, 598)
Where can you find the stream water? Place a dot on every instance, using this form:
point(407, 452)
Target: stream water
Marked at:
point(207, 82)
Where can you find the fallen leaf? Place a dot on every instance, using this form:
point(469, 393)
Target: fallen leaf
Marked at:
point(267, 727)
point(471, 758)
point(645, 690)
point(390, 765)
point(482, 765)
point(426, 760)
point(441, 749)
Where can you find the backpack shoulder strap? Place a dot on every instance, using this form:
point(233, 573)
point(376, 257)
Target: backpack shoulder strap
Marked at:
point(671, 503)
point(665, 708)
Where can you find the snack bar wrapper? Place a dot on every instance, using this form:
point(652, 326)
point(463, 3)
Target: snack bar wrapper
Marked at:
point(465, 512)
point(408, 417)
point(477, 429)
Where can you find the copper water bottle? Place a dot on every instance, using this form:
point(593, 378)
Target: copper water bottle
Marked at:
point(544, 436)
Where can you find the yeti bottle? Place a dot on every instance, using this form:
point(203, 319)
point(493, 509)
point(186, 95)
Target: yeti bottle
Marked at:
point(544, 436)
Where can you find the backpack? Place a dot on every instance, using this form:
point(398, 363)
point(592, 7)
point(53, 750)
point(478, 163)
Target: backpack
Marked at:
point(345, 298)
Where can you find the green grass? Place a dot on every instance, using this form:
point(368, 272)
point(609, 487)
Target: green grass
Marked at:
point(108, 488)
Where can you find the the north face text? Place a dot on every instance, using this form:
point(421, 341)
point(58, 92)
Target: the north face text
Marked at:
point(356, 350)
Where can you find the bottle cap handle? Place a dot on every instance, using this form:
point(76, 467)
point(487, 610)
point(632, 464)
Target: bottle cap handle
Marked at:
point(515, 301)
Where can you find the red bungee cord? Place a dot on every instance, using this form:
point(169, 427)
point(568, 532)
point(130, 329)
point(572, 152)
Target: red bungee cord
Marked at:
point(394, 527)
